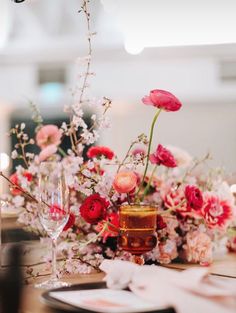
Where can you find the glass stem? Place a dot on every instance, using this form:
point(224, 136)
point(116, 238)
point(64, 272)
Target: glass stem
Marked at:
point(54, 259)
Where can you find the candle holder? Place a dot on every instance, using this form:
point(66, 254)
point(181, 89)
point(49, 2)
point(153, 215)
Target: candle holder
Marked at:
point(137, 228)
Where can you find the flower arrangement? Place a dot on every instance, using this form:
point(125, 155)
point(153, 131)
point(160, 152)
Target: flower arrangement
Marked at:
point(194, 206)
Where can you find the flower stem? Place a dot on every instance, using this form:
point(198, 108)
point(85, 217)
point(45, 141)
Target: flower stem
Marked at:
point(149, 149)
point(149, 183)
point(62, 152)
point(94, 238)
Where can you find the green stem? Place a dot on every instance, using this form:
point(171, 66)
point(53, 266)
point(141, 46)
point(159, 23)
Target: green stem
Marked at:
point(95, 237)
point(149, 149)
point(149, 183)
point(62, 152)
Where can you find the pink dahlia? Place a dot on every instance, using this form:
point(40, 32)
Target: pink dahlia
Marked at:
point(216, 212)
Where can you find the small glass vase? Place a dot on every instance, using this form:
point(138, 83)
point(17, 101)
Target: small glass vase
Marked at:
point(137, 223)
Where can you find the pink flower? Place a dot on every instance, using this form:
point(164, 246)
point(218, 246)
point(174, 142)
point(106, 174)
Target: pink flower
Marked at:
point(48, 135)
point(47, 152)
point(98, 151)
point(139, 149)
point(174, 199)
point(194, 198)
point(125, 182)
point(167, 251)
point(198, 248)
point(162, 156)
point(231, 244)
point(216, 212)
point(163, 100)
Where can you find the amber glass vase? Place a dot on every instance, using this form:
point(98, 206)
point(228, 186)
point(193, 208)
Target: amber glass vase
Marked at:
point(137, 228)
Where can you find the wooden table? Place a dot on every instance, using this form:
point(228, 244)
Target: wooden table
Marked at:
point(31, 303)
point(224, 267)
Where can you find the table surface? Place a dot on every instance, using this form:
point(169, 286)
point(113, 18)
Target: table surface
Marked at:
point(223, 266)
point(226, 267)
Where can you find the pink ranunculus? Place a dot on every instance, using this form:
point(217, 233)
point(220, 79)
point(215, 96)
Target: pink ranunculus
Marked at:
point(163, 100)
point(216, 212)
point(125, 182)
point(47, 152)
point(198, 248)
point(48, 135)
point(194, 197)
point(162, 156)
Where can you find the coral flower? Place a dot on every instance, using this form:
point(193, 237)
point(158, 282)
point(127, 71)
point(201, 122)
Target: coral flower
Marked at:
point(125, 182)
point(216, 212)
point(163, 100)
point(48, 135)
point(98, 151)
point(162, 156)
point(111, 231)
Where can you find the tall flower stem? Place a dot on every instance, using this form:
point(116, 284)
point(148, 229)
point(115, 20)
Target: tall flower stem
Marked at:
point(149, 149)
point(149, 182)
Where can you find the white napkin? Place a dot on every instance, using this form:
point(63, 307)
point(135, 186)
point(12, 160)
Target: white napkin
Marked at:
point(192, 290)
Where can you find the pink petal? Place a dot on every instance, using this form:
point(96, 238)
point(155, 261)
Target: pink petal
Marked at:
point(146, 100)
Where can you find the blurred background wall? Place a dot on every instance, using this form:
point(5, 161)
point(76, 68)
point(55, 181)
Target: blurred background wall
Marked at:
point(41, 40)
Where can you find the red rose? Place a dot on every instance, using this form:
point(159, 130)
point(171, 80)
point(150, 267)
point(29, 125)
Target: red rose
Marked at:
point(15, 180)
point(194, 198)
point(163, 100)
point(93, 209)
point(162, 156)
point(70, 223)
point(98, 151)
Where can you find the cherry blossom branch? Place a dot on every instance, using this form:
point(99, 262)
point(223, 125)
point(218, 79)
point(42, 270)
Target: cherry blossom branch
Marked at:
point(27, 194)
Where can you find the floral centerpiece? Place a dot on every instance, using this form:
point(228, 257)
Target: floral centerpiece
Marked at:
point(194, 205)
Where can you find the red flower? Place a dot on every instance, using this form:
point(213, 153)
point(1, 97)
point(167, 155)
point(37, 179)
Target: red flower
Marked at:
point(57, 213)
point(111, 231)
point(15, 180)
point(160, 223)
point(71, 222)
point(98, 151)
point(162, 156)
point(163, 100)
point(194, 198)
point(93, 209)
point(216, 212)
point(125, 182)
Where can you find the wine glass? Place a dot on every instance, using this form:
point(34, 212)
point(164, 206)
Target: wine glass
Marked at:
point(53, 211)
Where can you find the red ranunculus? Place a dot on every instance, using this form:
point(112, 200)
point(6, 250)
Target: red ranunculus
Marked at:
point(194, 198)
point(98, 151)
point(93, 209)
point(15, 180)
point(216, 212)
point(163, 100)
point(162, 156)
